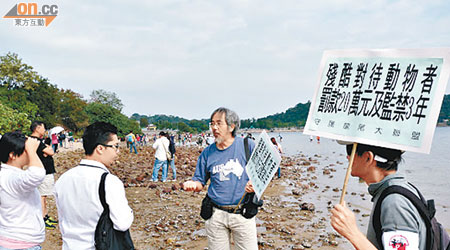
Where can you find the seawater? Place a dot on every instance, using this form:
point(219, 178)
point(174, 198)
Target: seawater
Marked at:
point(428, 172)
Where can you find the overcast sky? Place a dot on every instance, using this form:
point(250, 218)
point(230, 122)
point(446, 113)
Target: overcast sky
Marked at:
point(186, 58)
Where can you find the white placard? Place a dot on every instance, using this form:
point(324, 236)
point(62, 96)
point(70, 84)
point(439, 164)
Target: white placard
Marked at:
point(389, 98)
point(263, 163)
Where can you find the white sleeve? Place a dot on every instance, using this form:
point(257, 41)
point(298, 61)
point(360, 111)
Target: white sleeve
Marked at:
point(26, 180)
point(155, 145)
point(400, 240)
point(119, 211)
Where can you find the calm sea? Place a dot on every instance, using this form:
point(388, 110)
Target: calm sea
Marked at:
point(428, 172)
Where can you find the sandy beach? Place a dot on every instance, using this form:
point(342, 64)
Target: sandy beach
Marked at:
point(168, 218)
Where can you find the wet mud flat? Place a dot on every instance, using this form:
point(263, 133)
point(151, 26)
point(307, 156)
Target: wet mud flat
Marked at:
point(295, 214)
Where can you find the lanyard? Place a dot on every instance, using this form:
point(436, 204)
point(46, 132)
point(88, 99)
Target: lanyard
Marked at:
point(87, 165)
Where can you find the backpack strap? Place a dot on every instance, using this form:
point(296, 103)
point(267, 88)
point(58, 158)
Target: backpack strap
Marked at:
point(101, 191)
point(247, 149)
point(429, 203)
point(418, 203)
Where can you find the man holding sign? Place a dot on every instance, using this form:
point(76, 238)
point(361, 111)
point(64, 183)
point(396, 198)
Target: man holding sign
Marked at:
point(223, 162)
point(401, 223)
point(386, 102)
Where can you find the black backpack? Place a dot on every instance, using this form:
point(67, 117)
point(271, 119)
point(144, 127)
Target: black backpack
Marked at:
point(106, 237)
point(437, 236)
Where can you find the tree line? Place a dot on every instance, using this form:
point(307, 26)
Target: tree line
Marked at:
point(172, 122)
point(25, 96)
point(294, 117)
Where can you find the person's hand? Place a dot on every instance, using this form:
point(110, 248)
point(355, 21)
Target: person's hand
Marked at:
point(249, 187)
point(31, 145)
point(192, 186)
point(343, 221)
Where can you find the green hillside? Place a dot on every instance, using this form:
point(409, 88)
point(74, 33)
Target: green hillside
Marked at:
point(445, 109)
point(292, 117)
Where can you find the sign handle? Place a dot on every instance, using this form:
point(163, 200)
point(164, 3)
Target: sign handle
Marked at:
point(237, 206)
point(349, 170)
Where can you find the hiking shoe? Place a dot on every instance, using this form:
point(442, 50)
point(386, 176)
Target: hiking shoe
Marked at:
point(50, 220)
point(49, 226)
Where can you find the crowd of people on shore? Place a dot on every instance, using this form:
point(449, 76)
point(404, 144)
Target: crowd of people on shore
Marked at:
point(27, 178)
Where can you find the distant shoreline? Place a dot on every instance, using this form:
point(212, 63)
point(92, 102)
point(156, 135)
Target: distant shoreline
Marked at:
point(276, 130)
point(259, 130)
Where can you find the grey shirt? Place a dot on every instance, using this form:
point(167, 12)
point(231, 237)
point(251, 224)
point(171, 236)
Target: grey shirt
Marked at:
point(397, 212)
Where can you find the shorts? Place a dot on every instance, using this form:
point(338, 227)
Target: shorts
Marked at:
point(47, 186)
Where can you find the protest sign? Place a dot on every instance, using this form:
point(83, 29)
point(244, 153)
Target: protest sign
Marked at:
point(263, 163)
point(389, 98)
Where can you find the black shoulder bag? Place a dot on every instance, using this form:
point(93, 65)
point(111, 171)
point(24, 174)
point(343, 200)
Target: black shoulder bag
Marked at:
point(106, 237)
point(206, 210)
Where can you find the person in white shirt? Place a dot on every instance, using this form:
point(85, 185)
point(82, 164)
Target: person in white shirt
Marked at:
point(77, 190)
point(279, 149)
point(161, 146)
point(21, 224)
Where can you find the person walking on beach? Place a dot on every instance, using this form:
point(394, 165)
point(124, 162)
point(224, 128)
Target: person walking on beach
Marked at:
point(45, 153)
point(279, 149)
point(131, 139)
point(21, 224)
point(161, 146)
point(146, 140)
point(280, 137)
point(400, 220)
point(54, 138)
point(172, 151)
point(77, 190)
point(223, 164)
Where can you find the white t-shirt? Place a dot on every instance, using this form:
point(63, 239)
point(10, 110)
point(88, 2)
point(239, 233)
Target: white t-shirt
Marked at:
point(161, 145)
point(20, 204)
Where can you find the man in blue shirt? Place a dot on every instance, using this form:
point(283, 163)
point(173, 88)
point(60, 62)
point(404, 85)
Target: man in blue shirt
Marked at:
point(224, 164)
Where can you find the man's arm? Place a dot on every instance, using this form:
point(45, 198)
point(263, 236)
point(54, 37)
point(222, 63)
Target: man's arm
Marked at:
point(33, 176)
point(195, 186)
point(48, 150)
point(120, 212)
point(200, 175)
point(155, 145)
point(344, 222)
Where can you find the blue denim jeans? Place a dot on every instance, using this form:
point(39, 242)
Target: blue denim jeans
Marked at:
point(174, 170)
point(133, 145)
point(156, 167)
point(31, 248)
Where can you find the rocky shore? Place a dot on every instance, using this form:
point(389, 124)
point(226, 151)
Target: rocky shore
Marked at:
point(167, 217)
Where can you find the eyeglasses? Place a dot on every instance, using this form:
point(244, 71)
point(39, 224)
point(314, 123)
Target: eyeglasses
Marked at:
point(116, 147)
point(216, 124)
